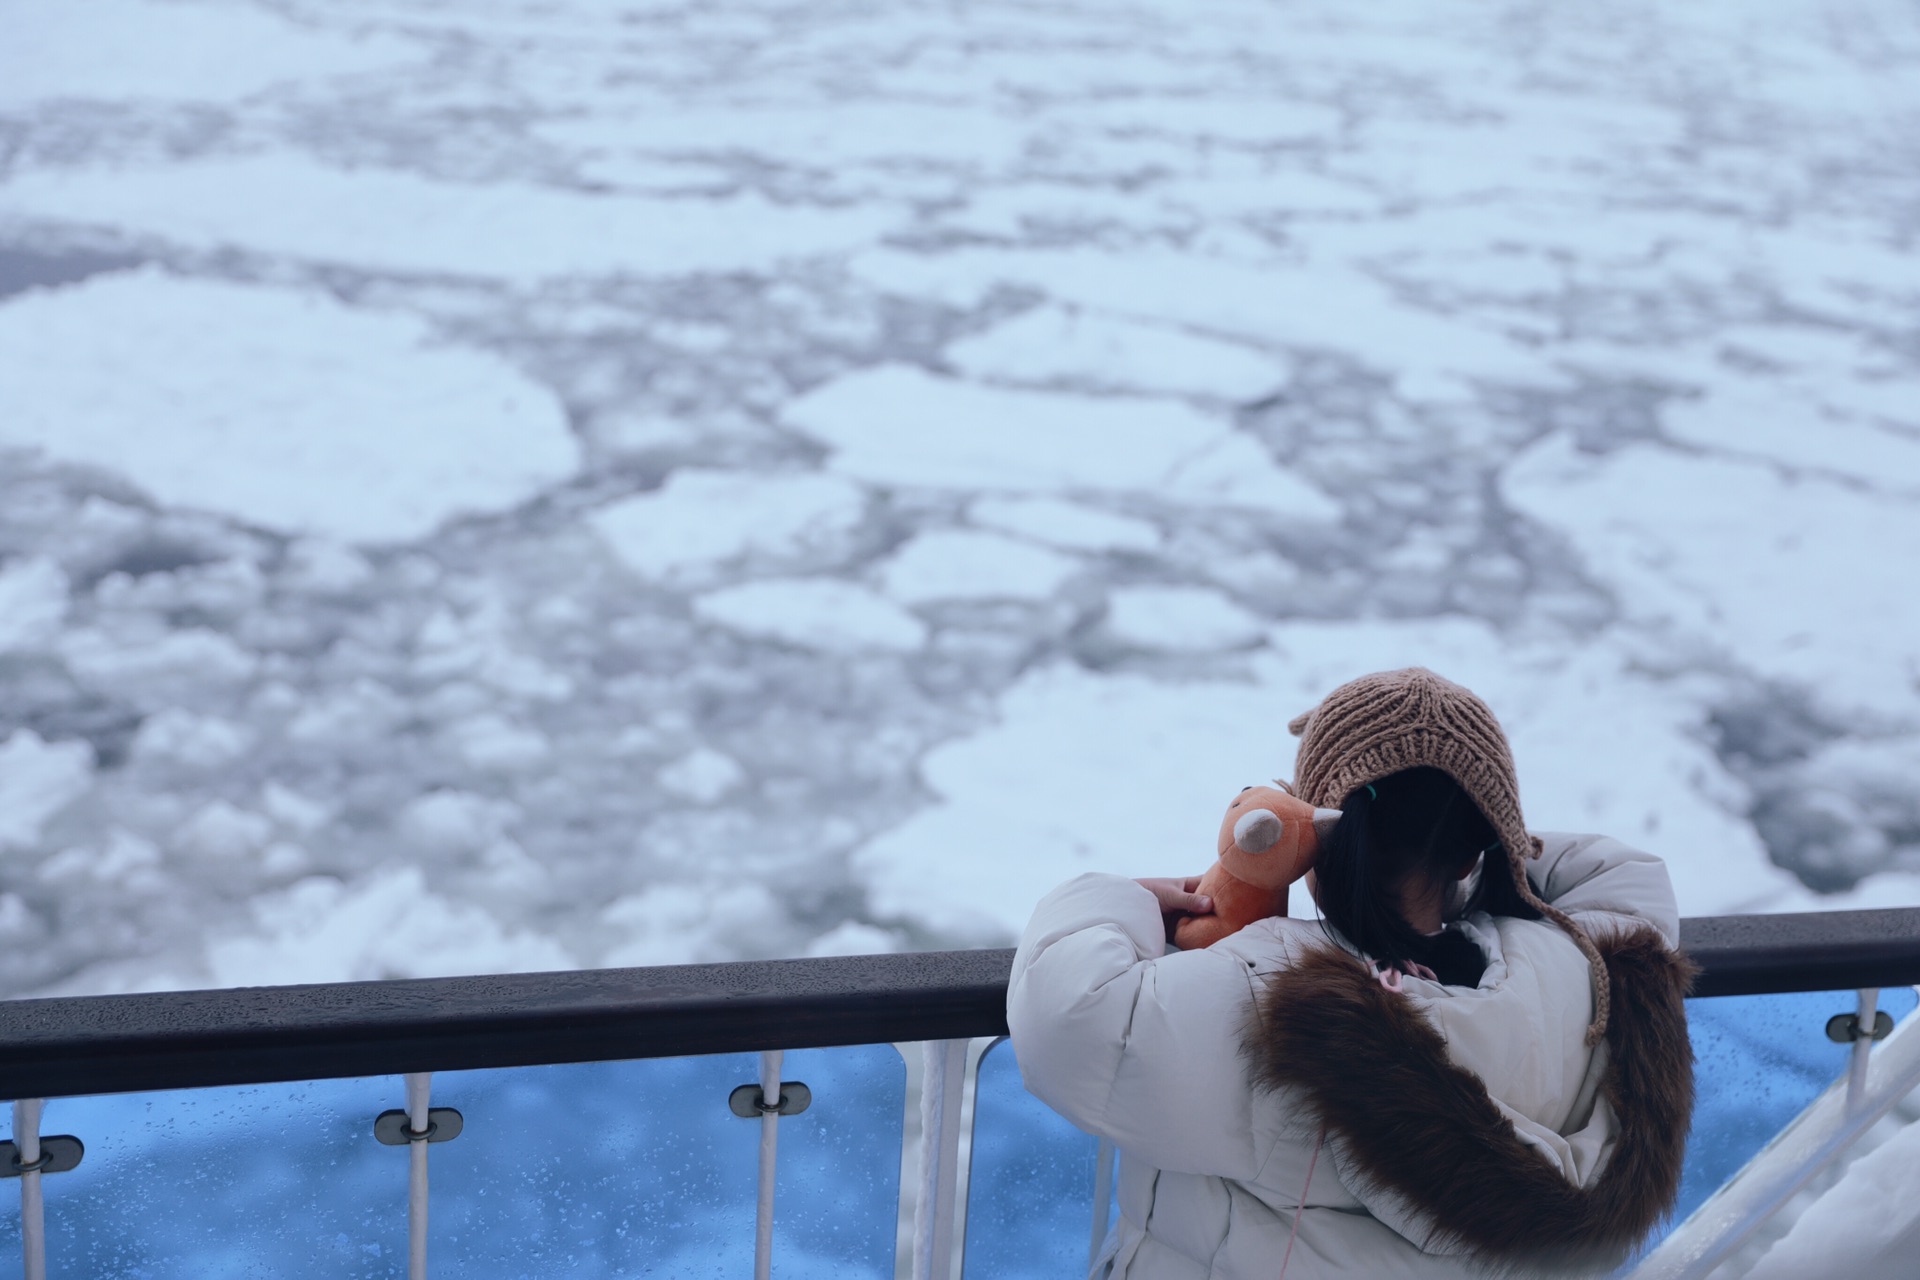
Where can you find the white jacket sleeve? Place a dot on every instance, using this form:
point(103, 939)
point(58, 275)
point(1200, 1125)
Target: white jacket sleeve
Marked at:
point(1605, 884)
point(1131, 1041)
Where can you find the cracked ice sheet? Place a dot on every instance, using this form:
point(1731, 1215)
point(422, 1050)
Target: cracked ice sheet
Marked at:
point(1805, 580)
point(400, 221)
point(1326, 306)
point(899, 425)
point(701, 518)
point(260, 422)
point(130, 49)
point(1088, 772)
point(1058, 344)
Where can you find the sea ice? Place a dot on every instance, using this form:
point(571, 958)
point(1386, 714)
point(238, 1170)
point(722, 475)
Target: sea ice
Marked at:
point(1237, 471)
point(177, 736)
point(898, 425)
point(33, 603)
point(853, 939)
point(1068, 345)
point(286, 204)
point(820, 613)
point(700, 519)
point(1180, 618)
point(703, 775)
point(1808, 581)
point(687, 923)
point(37, 780)
point(391, 925)
point(957, 564)
point(1031, 800)
point(1789, 429)
point(118, 49)
point(1061, 523)
point(282, 407)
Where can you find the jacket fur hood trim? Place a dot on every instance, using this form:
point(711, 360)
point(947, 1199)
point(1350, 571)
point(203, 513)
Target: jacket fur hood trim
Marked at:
point(1416, 1126)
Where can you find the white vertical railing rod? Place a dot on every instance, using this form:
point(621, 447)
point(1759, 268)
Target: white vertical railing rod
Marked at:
point(1862, 1046)
point(419, 1094)
point(770, 1063)
point(33, 1213)
point(942, 1088)
point(1102, 1195)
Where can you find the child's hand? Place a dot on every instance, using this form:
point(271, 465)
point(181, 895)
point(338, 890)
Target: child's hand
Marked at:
point(1177, 897)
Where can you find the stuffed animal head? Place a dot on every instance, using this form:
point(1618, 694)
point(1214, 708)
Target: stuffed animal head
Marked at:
point(1270, 837)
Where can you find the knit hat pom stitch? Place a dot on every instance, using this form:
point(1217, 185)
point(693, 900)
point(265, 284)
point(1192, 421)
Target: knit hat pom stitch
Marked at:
point(1393, 720)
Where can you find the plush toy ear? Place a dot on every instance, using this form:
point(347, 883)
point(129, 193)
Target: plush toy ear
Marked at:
point(1298, 725)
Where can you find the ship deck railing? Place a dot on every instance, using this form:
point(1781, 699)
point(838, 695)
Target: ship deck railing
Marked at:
point(843, 1116)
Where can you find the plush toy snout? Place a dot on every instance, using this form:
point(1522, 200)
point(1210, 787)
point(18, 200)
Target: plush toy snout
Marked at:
point(1257, 829)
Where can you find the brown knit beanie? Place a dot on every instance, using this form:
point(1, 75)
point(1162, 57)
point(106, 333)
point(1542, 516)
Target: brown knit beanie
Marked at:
point(1394, 720)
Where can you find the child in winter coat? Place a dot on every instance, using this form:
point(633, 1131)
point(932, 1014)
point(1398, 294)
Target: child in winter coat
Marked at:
point(1477, 1060)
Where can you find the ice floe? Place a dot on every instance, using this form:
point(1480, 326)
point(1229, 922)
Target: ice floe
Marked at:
point(282, 407)
point(1807, 580)
point(1115, 773)
point(117, 49)
point(823, 613)
point(37, 780)
point(1180, 618)
point(398, 220)
point(959, 564)
point(701, 518)
point(1066, 524)
point(1069, 346)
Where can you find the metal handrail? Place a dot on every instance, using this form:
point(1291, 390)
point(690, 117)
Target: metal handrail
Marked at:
point(248, 1035)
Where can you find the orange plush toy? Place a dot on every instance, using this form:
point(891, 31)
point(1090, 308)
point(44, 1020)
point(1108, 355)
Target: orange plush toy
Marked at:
point(1267, 841)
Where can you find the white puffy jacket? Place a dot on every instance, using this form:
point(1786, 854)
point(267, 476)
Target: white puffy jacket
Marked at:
point(1463, 1127)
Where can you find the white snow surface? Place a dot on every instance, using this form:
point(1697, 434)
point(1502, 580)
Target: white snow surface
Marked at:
point(1069, 346)
point(1864, 1225)
point(113, 49)
point(959, 564)
point(281, 407)
point(701, 517)
point(400, 221)
point(823, 613)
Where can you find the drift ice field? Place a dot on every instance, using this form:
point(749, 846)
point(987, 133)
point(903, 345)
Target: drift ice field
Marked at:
point(516, 486)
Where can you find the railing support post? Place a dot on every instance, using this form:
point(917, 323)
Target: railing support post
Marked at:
point(942, 1088)
point(1862, 1046)
point(419, 1094)
point(33, 1214)
point(770, 1064)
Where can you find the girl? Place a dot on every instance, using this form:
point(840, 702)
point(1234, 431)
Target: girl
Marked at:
point(1477, 1061)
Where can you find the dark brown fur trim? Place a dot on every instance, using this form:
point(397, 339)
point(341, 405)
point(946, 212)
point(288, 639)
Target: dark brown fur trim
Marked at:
point(1376, 1072)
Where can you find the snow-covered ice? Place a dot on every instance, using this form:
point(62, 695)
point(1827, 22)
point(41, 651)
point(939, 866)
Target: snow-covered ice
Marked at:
point(700, 519)
point(281, 407)
point(460, 466)
point(957, 564)
point(818, 612)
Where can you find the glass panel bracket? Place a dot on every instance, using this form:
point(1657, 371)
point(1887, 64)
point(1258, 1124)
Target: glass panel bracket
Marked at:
point(443, 1125)
point(1844, 1028)
point(57, 1155)
point(749, 1101)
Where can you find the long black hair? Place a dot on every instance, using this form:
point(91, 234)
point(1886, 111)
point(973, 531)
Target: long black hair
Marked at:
point(1412, 831)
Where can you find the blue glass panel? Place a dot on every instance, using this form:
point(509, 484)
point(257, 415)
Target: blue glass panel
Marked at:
point(613, 1169)
point(838, 1205)
point(1030, 1196)
point(280, 1180)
